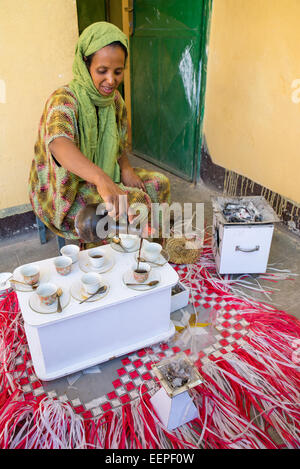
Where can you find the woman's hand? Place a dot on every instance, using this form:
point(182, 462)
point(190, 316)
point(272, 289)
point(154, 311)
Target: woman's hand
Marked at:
point(130, 179)
point(128, 176)
point(110, 193)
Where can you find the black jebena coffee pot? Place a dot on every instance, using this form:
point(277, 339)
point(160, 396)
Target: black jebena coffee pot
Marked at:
point(93, 224)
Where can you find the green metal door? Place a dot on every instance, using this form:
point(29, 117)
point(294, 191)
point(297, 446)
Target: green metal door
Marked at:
point(90, 11)
point(165, 82)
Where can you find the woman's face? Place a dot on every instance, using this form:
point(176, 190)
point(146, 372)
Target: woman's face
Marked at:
point(107, 69)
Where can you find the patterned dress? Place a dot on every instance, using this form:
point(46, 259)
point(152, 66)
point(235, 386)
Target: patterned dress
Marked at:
point(55, 193)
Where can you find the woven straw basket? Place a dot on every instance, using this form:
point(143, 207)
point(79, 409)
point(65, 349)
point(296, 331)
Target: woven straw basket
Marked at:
point(183, 250)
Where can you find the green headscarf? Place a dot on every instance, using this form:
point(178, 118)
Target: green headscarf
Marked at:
point(100, 145)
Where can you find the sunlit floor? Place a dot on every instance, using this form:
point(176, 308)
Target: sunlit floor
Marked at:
point(284, 253)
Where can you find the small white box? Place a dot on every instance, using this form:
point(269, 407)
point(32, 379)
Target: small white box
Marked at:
point(180, 299)
point(174, 411)
point(241, 248)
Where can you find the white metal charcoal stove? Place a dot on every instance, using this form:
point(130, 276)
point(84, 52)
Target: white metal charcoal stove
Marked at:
point(242, 234)
point(172, 403)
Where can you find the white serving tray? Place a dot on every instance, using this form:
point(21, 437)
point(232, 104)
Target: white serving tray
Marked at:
point(84, 335)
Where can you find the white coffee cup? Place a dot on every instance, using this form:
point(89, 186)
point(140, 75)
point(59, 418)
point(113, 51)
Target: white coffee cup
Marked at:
point(151, 251)
point(31, 273)
point(63, 265)
point(128, 240)
point(141, 274)
point(47, 293)
point(96, 257)
point(91, 282)
point(70, 250)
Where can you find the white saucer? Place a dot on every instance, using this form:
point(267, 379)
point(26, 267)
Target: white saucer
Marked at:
point(118, 248)
point(44, 277)
point(85, 265)
point(4, 282)
point(78, 294)
point(161, 259)
point(129, 278)
point(37, 307)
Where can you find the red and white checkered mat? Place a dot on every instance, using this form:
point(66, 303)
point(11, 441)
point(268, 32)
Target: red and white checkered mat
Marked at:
point(247, 352)
point(124, 378)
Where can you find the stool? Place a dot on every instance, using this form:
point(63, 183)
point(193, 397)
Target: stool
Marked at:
point(42, 234)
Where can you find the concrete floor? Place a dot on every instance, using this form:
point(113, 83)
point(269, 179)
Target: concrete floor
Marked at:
point(284, 253)
point(25, 248)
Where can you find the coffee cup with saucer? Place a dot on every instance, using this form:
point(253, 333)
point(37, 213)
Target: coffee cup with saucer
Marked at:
point(44, 300)
point(30, 273)
point(81, 288)
point(128, 241)
point(31, 270)
point(87, 262)
point(91, 282)
point(151, 251)
point(152, 280)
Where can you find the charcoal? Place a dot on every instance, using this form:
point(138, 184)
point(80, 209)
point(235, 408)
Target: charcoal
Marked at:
point(241, 213)
point(177, 373)
point(176, 383)
point(177, 289)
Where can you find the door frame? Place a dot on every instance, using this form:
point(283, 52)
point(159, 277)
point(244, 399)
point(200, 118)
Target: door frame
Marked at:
point(127, 21)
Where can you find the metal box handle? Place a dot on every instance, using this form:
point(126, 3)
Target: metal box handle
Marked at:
point(238, 248)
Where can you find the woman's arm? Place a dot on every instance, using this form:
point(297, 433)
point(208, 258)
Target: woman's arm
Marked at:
point(72, 159)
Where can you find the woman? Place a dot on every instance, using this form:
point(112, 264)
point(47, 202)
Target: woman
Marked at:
point(80, 154)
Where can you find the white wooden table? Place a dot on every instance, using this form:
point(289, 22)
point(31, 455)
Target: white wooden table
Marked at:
point(93, 332)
